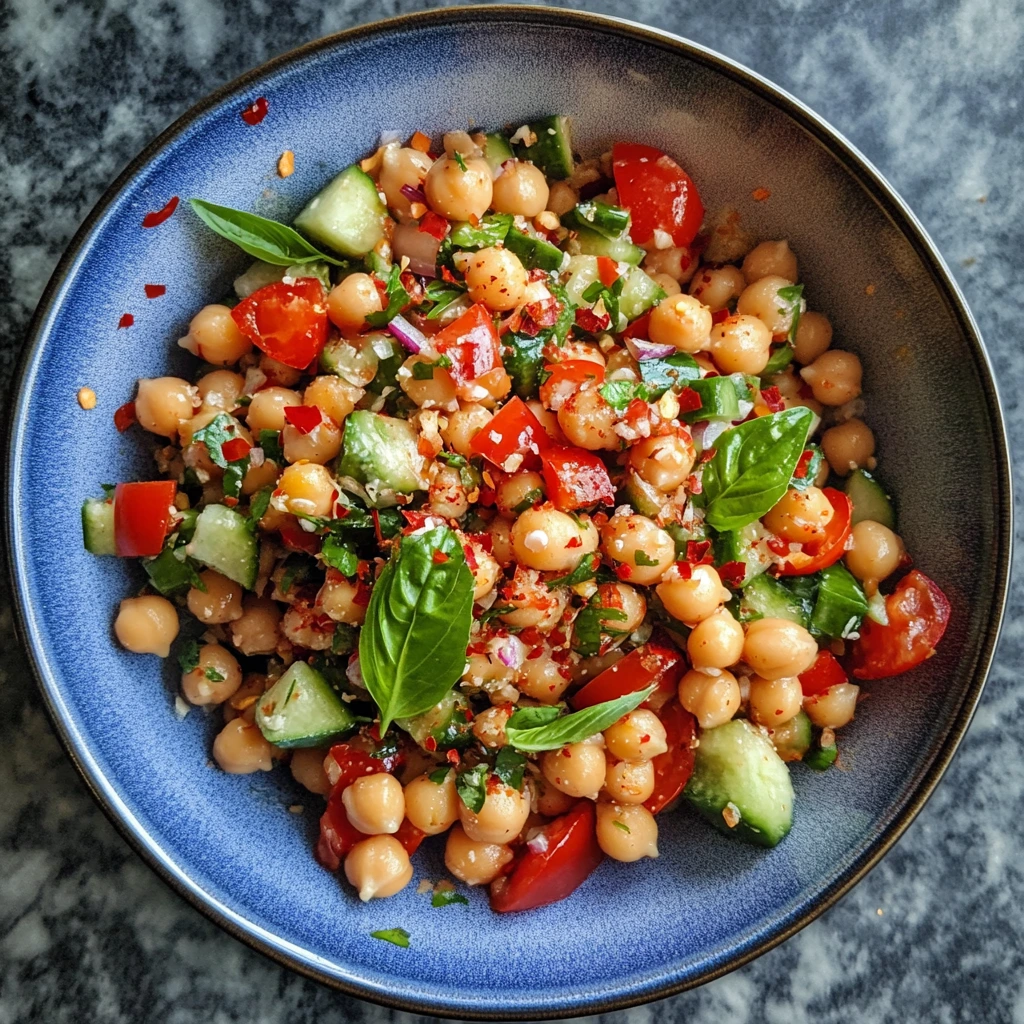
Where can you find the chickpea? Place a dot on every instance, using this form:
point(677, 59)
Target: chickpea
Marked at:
point(220, 390)
point(711, 699)
point(456, 193)
point(626, 600)
point(629, 782)
point(813, 337)
point(789, 385)
point(378, 867)
point(500, 533)
point(214, 336)
point(588, 421)
point(463, 425)
point(214, 679)
point(333, 396)
point(875, 553)
point(496, 278)
point(402, 166)
point(682, 321)
point(487, 570)
point(375, 804)
point(520, 189)
point(669, 285)
point(543, 679)
point(434, 392)
point(715, 642)
point(320, 445)
point(447, 495)
point(552, 541)
point(146, 625)
point(501, 818)
point(266, 410)
point(256, 632)
point(351, 301)
point(562, 198)
point(774, 701)
point(774, 648)
point(637, 736)
point(551, 802)
point(621, 365)
point(308, 488)
point(675, 264)
point(200, 454)
point(625, 536)
point(800, 516)
point(834, 377)
point(307, 768)
point(693, 600)
point(432, 807)
point(342, 600)
point(834, 708)
point(489, 726)
point(164, 404)
point(581, 350)
point(531, 603)
point(626, 832)
point(547, 419)
point(220, 602)
point(525, 488)
point(762, 299)
point(716, 287)
point(240, 749)
point(848, 446)
point(577, 769)
point(664, 462)
point(741, 344)
point(472, 862)
point(770, 259)
point(279, 374)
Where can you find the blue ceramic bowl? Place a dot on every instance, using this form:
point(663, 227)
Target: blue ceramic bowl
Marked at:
point(228, 843)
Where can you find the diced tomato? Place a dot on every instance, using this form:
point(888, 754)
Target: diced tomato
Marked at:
point(567, 377)
point(410, 836)
point(672, 770)
point(235, 449)
point(434, 224)
point(652, 663)
point(658, 193)
point(589, 321)
point(142, 514)
point(918, 614)
point(639, 328)
point(295, 538)
point(304, 418)
point(287, 321)
point(821, 555)
point(471, 343)
point(514, 429)
point(607, 270)
point(124, 416)
point(553, 865)
point(825, 672)
point(575, 478)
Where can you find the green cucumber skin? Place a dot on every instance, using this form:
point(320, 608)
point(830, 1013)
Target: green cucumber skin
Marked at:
point(869, 500)
point(346, 216)
point(818, 757)
point(381, 451)
point(98, 526)
point(302, 710)
point(800, 743)
point(496, 150)
point(552, 152)
point(767, 598)
point(647, 500)
point(223, 541)
point(748, 545)
point(622, 250)
point(447, 724)
point(534, 252)
point(639, 293)
point(718, 400)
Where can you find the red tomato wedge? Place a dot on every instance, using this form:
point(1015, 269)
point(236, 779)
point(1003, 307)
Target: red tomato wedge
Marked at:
point(607, 270)
point(824, 673)
point(554, 864)
point(513, 430)
point(567, 377)
point(471, 343)
point(142, 514)
point(672, 770)
point(651, 663)
point(815, 557)
point(658, 193)
point(918, 614)
point(287, 321)
point(575, 478)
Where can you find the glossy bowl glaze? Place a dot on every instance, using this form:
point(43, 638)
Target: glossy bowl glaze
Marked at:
point(229, 843)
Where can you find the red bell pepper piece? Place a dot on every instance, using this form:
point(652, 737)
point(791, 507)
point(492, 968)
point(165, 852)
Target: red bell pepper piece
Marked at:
point(471, 343)
point(304, 418)
point(235, 449)
point(829, 550)
point(565, 378)
point(575, 478)
point(672, 770)
point(287, 321)
point(652, 663)
point(607, 270)
point(295, 538)
point(824, 673)
point(142, 515)
point(513, 430)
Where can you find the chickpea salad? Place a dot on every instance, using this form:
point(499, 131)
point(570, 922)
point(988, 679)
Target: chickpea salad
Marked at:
point(515, 500)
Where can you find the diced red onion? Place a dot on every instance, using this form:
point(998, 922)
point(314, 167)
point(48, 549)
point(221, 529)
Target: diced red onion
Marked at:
point(413, 194)
point(411, 337)
point(510, 650)
point(419, 247)
point(539, 843)
point(641, 349)
point(354, 672)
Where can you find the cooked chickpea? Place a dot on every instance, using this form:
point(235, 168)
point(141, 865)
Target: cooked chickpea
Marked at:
point(711, 699)
point(434, 392)
point(220, 390)
point(489, 726)
point(741, 344)
point(626, 832)
point(220, 602)
point(487, 570)
point(770, 259)
point(562, 198)
point(774, 701)
point(501, 818)
point(146, 625)
point(333, 396)
point(214, 679)
point(637, 736)
point(716, 287)
point(715, 642)
point(623, 537)
point(681, 321)
point(432, 807)
point(500, 532)
point(351, 301)
point(266, 410)
point(320, 445)
point(664, 462)
point(675, 265)
point(550, 802)
point(257, 631)
point(813, 337)
point(848, 446)
point(835, 707)
point(258, 477)
point(164, 404)
point(308, 489)
point(577, 769)
point(525, 488)
point(402, 166)
point(762, 299)
point(463, 425)
point(446, 495)
point(627, 601)
point(496, 278)
point(834, 377)
point(378, 867)
point(543, 679)
point(520, 189)
point(669, 285)
point(240, 749)
point(278, 374)
point(693, 600)
point(456, 193)
point(629, 782)
point(530, 602)
point(214, 336)
point(800, 516)
point(472, 862)
point(552, 541)
point(588, 421)
point(875, 552)
point(774, 648)
point(547, 419)
point(375, 804)
point(307, 768)
point(342, 600)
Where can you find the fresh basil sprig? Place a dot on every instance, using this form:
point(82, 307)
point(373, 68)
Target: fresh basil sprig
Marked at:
point(471, 785)
point(412, 648)
point(266, 239)
point(575, 727)
point(586, 570)
point(752, 467)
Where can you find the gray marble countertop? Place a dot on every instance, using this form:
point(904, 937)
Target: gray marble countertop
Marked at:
point(931, 92)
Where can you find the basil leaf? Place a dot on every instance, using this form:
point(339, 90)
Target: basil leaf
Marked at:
point(575, 727)
point(510, 766)
point(188, 659)
point(586, 570)
point(675, 371)
point(490, 231)
point(801, 483)
point(338, 555)
point(752, 467)
point(396, 936)
point(258, 505)
point(471, 786)
point(220, 429)
point(446, 897)
point(213, 675)
point(170, 574)
point(792, 295)
point(397, 296)
point(412, 648)
point(439, 776)
point(618, 393)
point(234, 474)
point(590, 625)
point(270, 442)
point(531, 718)
point(267, 240)
point(344, 639)
point(779, 360)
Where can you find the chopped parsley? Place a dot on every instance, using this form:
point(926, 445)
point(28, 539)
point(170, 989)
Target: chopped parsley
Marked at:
point(270, 442)
point(471, 785)
point(344, 639)
point(213, 675)
point(642, 558)
point(396, 936)
point(425, 370)
point(622, 825)
point(258, 505)
point(188, 659)
point(589, 629)
point(397, 298)
point(439, 776)
point(446, 897)
point(339, 555)
point(510, 767)
point(216, 433)
point(457, 157)
point(586, 570)
point(791, 294)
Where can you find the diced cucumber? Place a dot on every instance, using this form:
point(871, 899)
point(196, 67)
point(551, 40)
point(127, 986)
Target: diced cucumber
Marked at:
point(737, 775)
point(749, 545)
point(622, 250)
point(223, 541)
point(592, 215)
point(347, 216)
point(764, 597)
point(302, 710)
point(583, 273)
point(381, 453)
point(792, 739)
point(445, 726)
point(644, 497)
point(639, 293)
point(869, 499)
point(682, 536)
point(718, 400)
point(841, 603)
point(496, 150)
point(354, 360)
point(98, 526)
point(821, 757)
point(552, 150)
point(533, 251)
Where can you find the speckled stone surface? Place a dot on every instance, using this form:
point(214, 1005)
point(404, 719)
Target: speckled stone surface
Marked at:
point(931, 92)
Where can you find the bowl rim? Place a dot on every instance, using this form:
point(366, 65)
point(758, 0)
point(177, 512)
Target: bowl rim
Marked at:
point(881, 192)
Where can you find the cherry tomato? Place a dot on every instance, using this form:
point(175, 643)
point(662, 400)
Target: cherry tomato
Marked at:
point(565, 378)
point(652, 663)
point(513, 430)
point(815, 557)
point(672, 770)
point(287, 321)
point(296, 539)
point(553, 865)
point(918, 614)
point(471, 343)
point(575, 478)
point(607, 270)
point(142, 514)
point(658, 193)
point(824, 673)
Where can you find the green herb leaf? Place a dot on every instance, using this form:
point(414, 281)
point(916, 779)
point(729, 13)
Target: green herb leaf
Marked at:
point(453, 459)
point(532, 718)
point(109, 489)
point(792, 295)
point(591, 625)
point(621, 825)
point(575, 727)
point(642, 558)
point(258, 505)
point(607, 220)
point(446, 897)
point(344, 639)
point(234, 474)
point(267, 240)
point(398, 299)
point(618, 393)
point(188, 659)
point(778, 361)
point(471, 785)
point(220, 429)
point(510, 766)
point(489, 232)
point(412, 649)
point(425, 370)
point(457, 157)
point(170, 574)
point(396, 936)
point(213, 675)
point(675, 371)
point(813, 466)
point(586, 570)
point(530, 498)
point(752, 467)
point(338, 555)
point(442, 294)
point(270, 442)
point(439, 776)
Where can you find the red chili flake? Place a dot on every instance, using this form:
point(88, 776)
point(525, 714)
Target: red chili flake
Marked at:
point(544, 313)
point(698, 552)
point(362, 595)
point(623, 571)
point(230, 501)
point(707, 455)
point(125, 417)
point(375, 515)
point(590, 321)
point(689, 400)
point(439, 557)
point(537, 275)
point(157, 217)
point(154, 291)
point(574, 542)
point(638, 328)
point(453, 757)
point(733, 573)
point(778, 546)
point(561, 656)
point(235, 449)
point(435, 225)
point(374, 732)
point(535, 653)
point(447, 275)
point(646, 738)
point(802, 464)
point(470, 557)
point(256, 111)
point(694, 484)
point(685, 570)
point(805, 390)
point(304, 418)
point(637, 410)
point(430, 743)
point(720, 316)
point(126, 321)
point(773, 398)
point(485, 540)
